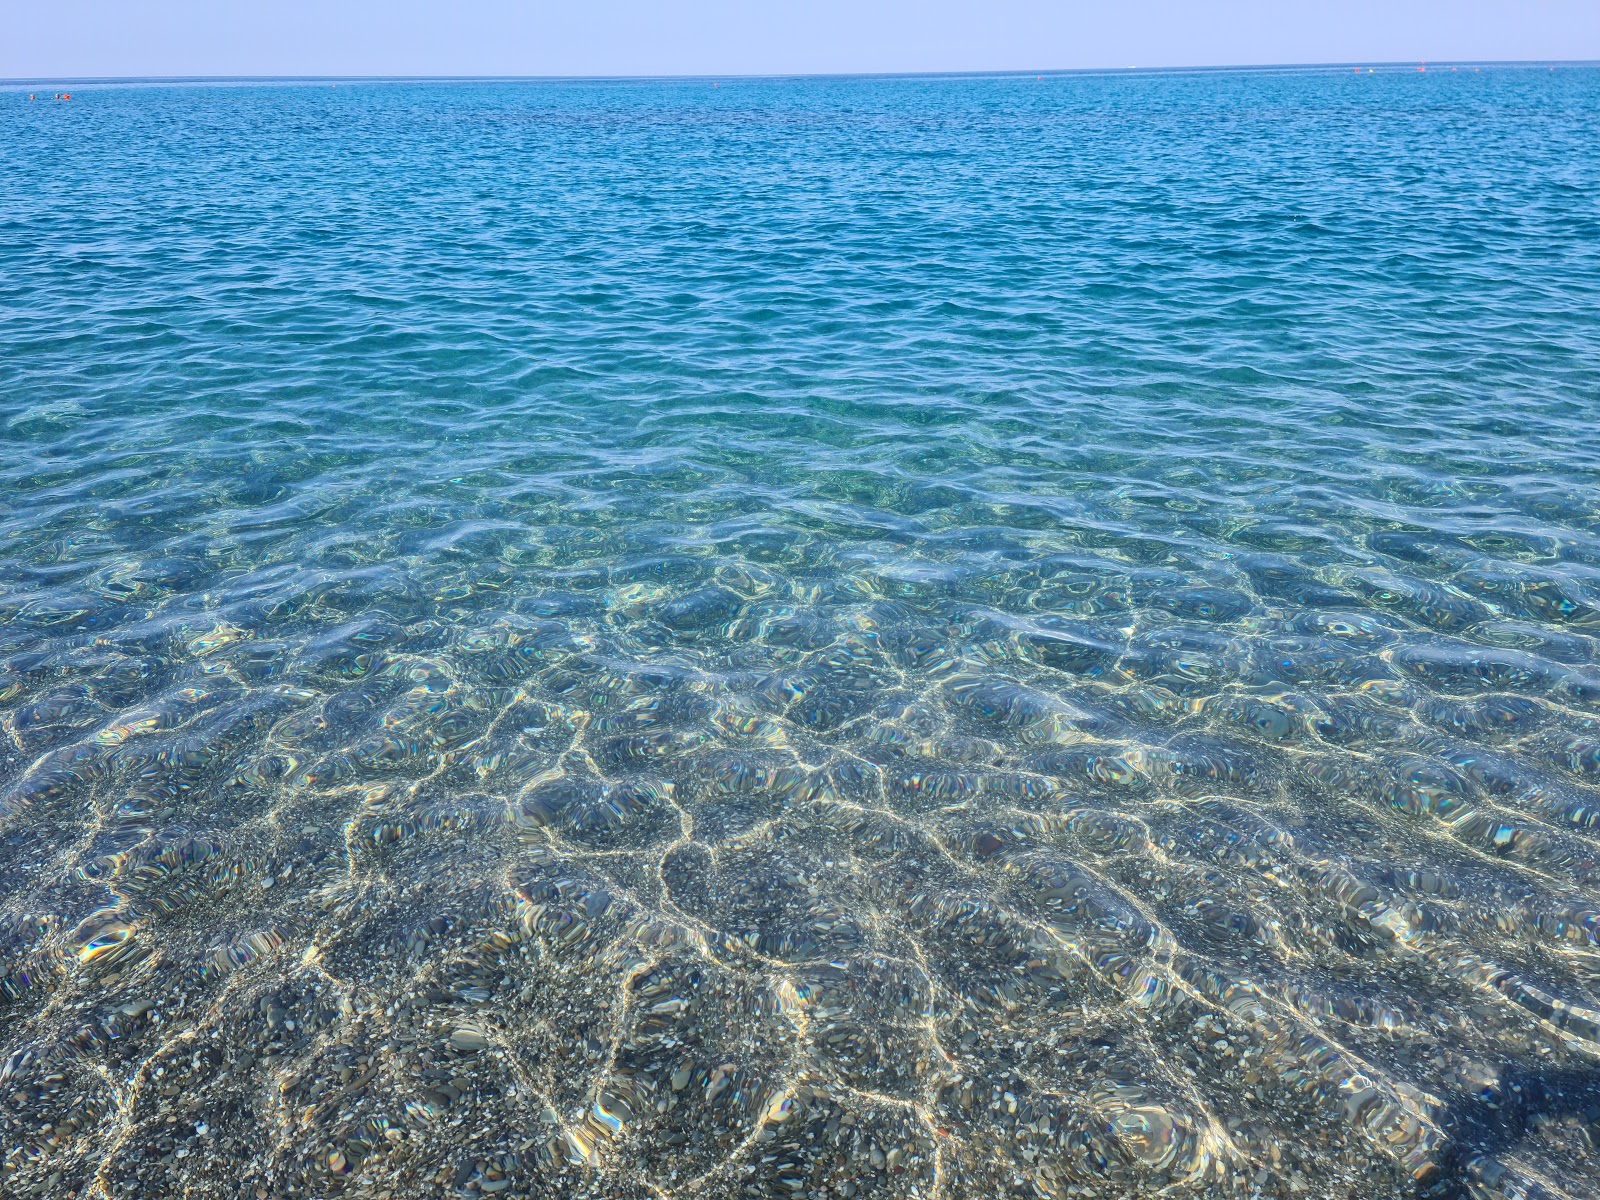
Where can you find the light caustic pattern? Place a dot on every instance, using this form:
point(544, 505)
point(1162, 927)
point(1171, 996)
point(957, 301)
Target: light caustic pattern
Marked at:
point(1002, 690)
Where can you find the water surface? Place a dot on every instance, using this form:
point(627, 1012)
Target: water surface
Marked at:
point(949, 637)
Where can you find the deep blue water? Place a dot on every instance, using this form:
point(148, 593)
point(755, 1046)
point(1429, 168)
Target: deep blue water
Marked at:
point(902, 637)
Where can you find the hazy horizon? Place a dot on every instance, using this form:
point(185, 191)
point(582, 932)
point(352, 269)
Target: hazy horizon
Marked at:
point(1167, 68)
point(176, 39)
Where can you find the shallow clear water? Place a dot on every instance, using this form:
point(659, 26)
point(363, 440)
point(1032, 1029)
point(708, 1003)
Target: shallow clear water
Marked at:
point(863, 637)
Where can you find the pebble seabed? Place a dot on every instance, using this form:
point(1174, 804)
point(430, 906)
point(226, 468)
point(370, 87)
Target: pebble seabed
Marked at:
point(450, 899)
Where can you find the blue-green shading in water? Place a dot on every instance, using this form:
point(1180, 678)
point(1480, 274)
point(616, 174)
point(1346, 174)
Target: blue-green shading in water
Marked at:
point(831, 638)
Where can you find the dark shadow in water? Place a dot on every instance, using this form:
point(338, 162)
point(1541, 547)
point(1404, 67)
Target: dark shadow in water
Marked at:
point(1500, 1120)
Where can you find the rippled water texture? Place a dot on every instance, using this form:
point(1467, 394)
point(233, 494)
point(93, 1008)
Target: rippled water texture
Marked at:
point(979, 637)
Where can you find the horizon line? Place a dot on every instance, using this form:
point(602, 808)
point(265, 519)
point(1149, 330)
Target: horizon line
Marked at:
point(774, 75)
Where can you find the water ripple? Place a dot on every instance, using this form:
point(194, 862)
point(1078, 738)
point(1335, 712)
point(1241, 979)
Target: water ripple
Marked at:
point(898, 638)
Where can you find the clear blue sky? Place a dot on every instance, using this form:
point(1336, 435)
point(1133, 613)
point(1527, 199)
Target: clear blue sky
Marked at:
point(80, 38)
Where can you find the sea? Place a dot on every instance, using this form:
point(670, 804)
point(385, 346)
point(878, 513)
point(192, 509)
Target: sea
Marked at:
point(912, 638)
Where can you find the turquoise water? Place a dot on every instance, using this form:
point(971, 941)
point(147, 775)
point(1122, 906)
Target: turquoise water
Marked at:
point(949, 637)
